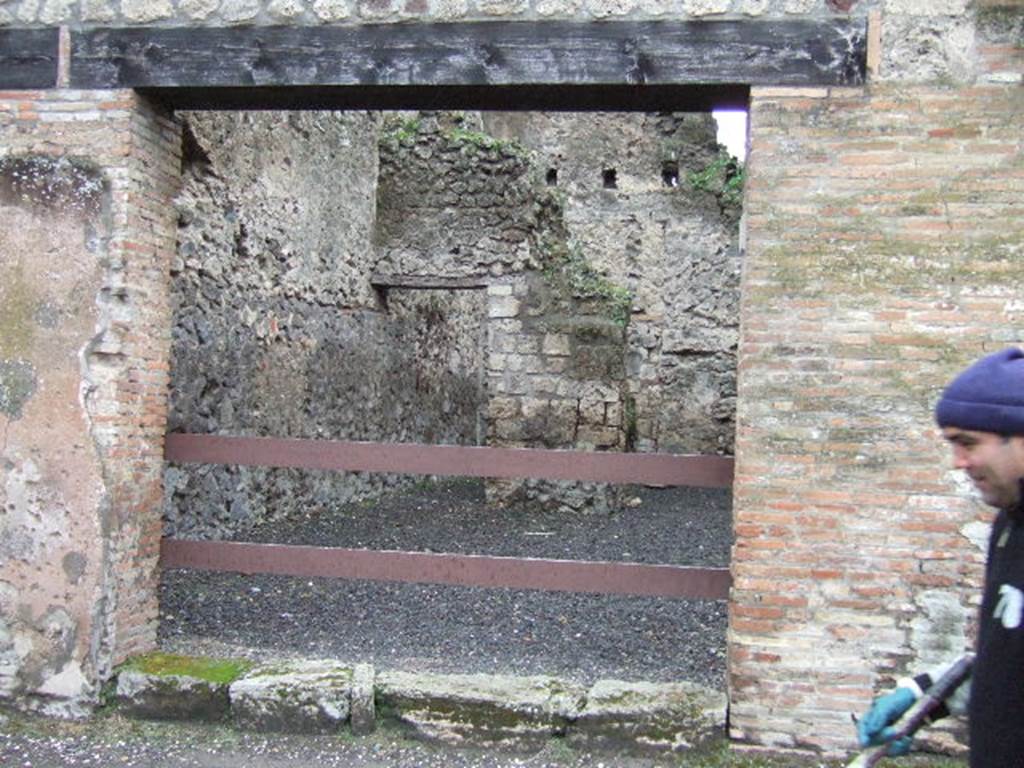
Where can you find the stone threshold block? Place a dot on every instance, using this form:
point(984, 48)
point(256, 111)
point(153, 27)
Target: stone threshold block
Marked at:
point(511, 712)
point(293, 697)
point(651, 718)
point(163, 686)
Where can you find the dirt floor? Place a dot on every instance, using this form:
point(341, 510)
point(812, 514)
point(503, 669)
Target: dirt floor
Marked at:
point(458, 629)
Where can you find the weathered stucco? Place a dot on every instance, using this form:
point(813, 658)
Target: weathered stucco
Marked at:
point(82, 408)
point(51, 523)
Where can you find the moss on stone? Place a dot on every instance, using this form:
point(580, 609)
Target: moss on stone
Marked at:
point(213, 670)
point(571, 275)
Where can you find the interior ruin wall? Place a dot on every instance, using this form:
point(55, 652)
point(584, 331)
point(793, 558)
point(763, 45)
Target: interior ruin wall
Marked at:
point(882, 253)
point(278, 330)
point(286, 220)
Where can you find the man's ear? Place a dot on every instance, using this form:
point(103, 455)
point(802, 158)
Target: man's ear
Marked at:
point(1017, 445)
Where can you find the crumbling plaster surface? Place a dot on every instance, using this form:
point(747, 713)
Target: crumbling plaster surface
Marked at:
point(923, 40)
point(51, 495)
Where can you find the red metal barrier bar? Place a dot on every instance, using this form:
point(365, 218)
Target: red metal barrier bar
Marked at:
point(462, 461)
point(462, 570)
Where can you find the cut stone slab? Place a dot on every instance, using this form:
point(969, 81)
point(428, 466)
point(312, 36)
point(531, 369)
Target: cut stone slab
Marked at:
point(649, 717)
point(363, 715)
point(293, 697)
point(170, 697)
point(513, 712)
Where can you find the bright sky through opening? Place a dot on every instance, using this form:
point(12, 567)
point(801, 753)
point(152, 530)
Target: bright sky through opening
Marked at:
point(732, 131)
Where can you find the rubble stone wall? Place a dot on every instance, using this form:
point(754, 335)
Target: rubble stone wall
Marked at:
point(587, 243)
point(639, 211)
point(278, 331)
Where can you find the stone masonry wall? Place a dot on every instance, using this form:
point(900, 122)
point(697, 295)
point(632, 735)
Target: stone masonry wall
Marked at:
point(576, 228)
point(85, 185)
point(278, 331)
point(883, 255)
point(644, 202)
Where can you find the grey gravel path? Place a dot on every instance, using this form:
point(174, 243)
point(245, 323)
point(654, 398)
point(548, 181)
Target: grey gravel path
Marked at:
point(105, 742)
point(102, 743)
point(459, 629)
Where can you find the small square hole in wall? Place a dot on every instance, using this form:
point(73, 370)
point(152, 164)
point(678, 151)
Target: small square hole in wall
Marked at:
point(552, 177)
point(670, 174)
point(610, 178)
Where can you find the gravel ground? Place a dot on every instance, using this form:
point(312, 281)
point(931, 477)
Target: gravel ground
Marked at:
point(459, 629)
point(32, 742)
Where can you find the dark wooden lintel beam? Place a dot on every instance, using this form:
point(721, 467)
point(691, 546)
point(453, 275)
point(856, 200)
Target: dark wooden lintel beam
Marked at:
point(28, 58)
point(506, 98)
point(231, 62)
point(428, 282)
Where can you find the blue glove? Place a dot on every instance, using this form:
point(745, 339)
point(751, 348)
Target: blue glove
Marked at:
point(875, 728)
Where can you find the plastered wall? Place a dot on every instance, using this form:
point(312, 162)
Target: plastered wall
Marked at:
point(85, 237)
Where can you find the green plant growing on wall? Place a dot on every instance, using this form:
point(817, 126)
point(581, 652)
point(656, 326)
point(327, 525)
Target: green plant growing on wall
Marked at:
point(399, 130)
point(483, 141)
point(582, 281)
point(723, 177)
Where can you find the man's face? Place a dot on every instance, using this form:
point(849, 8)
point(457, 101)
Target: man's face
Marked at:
point(994, 463)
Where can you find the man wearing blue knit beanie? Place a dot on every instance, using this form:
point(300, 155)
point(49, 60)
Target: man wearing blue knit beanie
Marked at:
point(982, 417)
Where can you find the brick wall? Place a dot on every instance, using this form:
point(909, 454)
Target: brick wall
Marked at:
point(139, 320)
point(83, 452)
point(883, 254)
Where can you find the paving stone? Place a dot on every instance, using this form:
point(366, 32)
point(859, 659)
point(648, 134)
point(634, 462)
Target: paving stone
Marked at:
point(649, 717)
point(514, 712)
point(295, 697)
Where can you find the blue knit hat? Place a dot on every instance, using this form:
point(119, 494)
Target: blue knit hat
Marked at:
point(987, 397)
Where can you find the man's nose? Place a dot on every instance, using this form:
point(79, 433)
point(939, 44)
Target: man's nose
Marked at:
point(961, 458)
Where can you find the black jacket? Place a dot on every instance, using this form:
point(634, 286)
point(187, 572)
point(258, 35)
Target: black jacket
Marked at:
point(996, 707)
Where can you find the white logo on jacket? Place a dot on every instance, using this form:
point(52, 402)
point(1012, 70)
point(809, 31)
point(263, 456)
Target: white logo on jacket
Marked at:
point(1010, 607)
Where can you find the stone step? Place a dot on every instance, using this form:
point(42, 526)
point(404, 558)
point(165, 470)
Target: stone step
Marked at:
point(518, 713)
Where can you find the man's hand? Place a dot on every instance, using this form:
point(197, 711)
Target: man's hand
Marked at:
point(875, 728)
